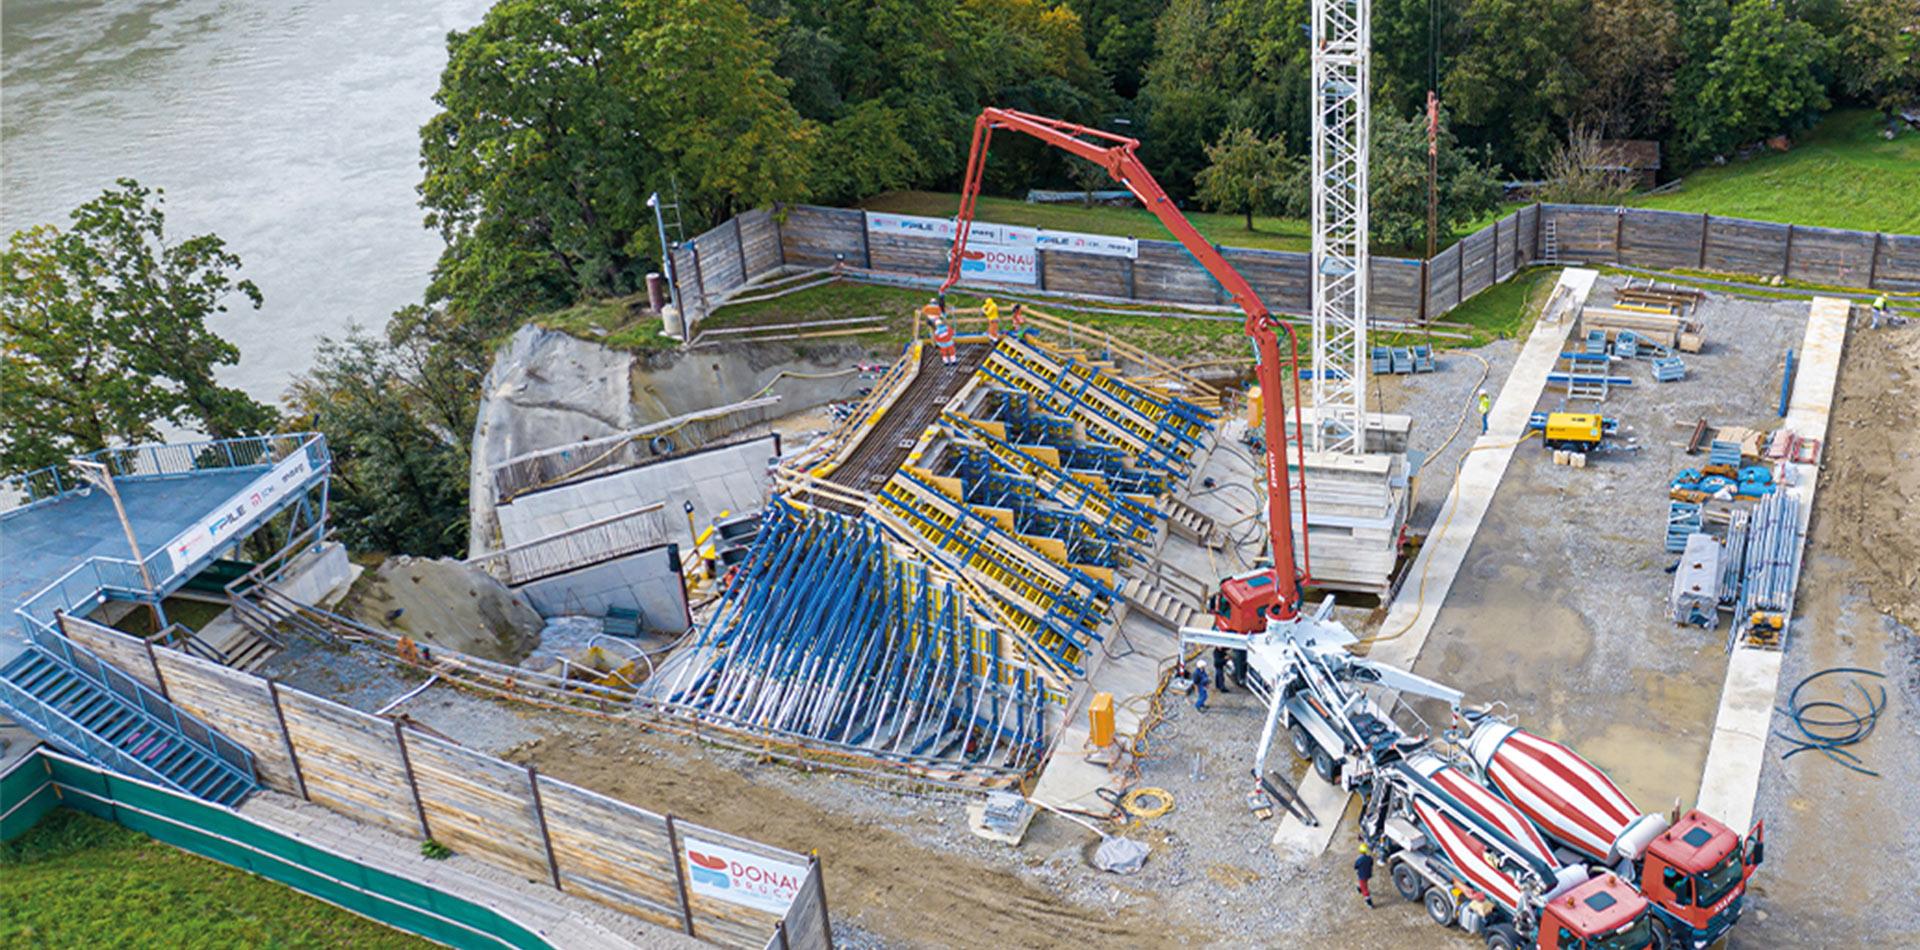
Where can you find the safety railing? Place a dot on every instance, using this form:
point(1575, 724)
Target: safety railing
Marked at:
point(89, 666)
point(18, 492)
point(546, 468)
point(574, 548)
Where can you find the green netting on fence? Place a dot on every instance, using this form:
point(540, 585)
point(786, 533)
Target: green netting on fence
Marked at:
point(28, 791)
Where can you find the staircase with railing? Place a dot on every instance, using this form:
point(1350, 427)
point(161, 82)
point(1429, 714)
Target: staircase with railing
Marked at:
point(87, 707)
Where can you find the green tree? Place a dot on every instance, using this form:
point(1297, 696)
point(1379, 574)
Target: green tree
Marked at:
point(1511, 82)
point(399, 438)
point(1245, 173)
point(1761, 81)
point(104, 331)
point(1880, 53)
point(1120, 37)
point(1627, 55)
point(559, 117)
point(1466, 186)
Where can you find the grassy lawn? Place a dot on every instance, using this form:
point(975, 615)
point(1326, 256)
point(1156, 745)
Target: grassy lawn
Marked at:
point(618, 322)
point(77, 881)
point(192, 614)
point(1504, 310)
point(1843, 176)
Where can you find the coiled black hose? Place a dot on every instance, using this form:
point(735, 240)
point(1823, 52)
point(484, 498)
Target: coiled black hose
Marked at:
point(1830, 734)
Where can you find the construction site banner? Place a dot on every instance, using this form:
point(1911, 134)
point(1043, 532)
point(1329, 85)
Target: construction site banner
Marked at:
point(1002, 235)
point(741, 877)
point(225, 525)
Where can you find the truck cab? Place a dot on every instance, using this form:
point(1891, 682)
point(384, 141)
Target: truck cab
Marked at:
point(1695, 873)
point(1244, 602)
point(1605, 913)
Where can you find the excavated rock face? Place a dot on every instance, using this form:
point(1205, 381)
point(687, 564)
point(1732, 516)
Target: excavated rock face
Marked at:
point(546, 389)
point(446, 604)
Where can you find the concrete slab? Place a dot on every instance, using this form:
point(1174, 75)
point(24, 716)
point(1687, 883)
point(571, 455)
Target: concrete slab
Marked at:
point(1070, 781)
point(1731, 780)
point(1411, 615)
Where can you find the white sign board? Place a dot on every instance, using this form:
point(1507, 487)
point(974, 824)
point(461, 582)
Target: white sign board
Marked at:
point(1000, 264)
point(984, 233)
point(223, 526)
point(739, 877)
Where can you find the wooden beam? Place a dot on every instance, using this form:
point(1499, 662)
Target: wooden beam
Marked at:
point(406, 765)
point(286, 739)
point(540, 815)
point(680, 869)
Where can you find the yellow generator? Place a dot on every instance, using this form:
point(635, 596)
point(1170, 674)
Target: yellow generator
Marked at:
point(1578, 431)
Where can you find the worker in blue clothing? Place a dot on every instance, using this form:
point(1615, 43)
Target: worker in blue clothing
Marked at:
point(1200, 683)
point(1363, 873)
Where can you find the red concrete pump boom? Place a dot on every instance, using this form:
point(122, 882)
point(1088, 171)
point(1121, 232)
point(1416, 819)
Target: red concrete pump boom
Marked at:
point(1115, 153)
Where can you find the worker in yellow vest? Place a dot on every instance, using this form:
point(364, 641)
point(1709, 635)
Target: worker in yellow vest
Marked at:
point(1879, 310)
point(992, 312)
point(943, 338)
point(1486, 406)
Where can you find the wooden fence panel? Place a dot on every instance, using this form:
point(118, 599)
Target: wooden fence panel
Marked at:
point(724, 921)
point(1526, 236)
point(1395, 289)
point(1092, 274)
point(1506, 247)
point(235, 703)
point(1165, 271)
point(1584, 233)
point(1898, 267)
point(1476, 262)
point(478, 804)
point(1283, 279)
point(1738, 246)
point(127, 652)
point(1661, 239)
point(908, 255)
point(611, 852)
point(720, 262)
point(812, 236)
point(1828, 256)
point(1443, 282)
point(351, 762)
point(760, 234)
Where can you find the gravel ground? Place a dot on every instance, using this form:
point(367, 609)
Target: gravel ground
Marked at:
point(1445, 420)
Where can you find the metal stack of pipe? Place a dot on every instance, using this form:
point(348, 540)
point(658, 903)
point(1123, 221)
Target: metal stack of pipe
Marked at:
point(1734, 558)
point(1772, 570)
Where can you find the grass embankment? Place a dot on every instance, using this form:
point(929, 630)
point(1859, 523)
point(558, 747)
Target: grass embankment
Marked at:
point(77, 881)
point(1171, 337)
point(1844, 175)
point(619, 322)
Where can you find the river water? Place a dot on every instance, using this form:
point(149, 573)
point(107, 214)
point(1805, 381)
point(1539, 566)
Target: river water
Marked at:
point(290, 128)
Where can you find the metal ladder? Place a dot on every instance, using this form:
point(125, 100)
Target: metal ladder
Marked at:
point(1550, 244)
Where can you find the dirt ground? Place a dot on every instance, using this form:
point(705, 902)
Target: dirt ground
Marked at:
point(1844, 849)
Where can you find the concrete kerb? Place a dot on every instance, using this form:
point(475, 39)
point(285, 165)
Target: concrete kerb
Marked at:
point(1411, 615)
point(1730, 782)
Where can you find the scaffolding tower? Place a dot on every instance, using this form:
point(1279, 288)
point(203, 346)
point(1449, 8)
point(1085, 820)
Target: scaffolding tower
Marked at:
point(1341, 31)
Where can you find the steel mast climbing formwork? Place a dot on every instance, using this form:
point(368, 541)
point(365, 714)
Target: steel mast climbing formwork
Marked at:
point(1341, 84)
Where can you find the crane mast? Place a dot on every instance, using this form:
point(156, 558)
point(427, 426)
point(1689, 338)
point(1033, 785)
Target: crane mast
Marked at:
point(1341, 37)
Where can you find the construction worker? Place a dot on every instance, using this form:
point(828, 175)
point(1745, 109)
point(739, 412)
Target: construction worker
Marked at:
point(1486, 406)
point(1200, 682)
point(992, 312)
point(1222, 660)
point(1363, 873)
point(943, 338)
point(1019, 320)
point(931, 312)
point(1879, 311)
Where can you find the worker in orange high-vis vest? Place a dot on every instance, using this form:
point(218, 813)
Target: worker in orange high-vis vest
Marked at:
point(1019, 321)
point(992, 312)
point(943, 338)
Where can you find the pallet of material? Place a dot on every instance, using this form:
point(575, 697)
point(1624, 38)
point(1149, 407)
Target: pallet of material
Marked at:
point(1660, 328)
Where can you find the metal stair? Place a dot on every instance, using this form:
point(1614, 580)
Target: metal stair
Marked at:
point(87, 707)
point(1549, 244)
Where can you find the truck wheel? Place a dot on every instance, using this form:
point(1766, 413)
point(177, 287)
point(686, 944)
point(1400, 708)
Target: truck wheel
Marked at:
point(1408, 882)
point(1326, 767)
point(1303, 744)
point(1662, 937)
point(1502, 937)
point(1440, 906)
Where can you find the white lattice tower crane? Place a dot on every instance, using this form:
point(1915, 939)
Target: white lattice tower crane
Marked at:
point(1342, 31)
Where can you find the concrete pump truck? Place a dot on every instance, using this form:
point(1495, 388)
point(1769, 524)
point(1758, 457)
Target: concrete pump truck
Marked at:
point(1469, 856)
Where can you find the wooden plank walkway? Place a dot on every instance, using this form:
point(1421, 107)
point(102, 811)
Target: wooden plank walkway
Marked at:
point(1731, 779)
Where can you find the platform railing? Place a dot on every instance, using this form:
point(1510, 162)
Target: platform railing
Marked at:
point(19, 492)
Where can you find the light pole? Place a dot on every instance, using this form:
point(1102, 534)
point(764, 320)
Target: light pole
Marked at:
point(98, 474)
point(666, 253)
